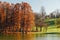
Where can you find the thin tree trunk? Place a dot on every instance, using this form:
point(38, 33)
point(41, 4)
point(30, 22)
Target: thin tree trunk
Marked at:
point(22, 30)
point(26, 31)
point(46, 29)
point(40, 29)
point(36, 29)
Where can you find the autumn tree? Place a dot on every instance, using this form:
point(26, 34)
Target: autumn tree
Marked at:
point(2, 16)
point(17, 16)
point(42, 18)
point(39, 20)
point(27, 19)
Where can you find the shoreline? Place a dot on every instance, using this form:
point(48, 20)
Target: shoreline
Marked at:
point(33, 33)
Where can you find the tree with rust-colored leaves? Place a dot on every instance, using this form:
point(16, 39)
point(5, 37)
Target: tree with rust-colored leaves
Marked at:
point(17, 17)
point(27, 19)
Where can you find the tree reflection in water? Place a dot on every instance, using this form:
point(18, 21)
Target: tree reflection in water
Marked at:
point(26, 37)
point(40, 37)
point(16, 36)
point(19, 36)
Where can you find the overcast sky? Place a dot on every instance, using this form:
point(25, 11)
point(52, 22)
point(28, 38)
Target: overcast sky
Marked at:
point(49, 5)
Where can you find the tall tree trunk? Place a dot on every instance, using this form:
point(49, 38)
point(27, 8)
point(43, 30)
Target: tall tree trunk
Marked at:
point(26, 31)
point(41, 29)
point(36, 29)
point(45, 29)
point(22, 30)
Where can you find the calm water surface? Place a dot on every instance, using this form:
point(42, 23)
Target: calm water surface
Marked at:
point(18, 36)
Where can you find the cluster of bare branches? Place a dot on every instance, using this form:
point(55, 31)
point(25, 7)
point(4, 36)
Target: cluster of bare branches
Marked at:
point(40, 20)
point(16, 17)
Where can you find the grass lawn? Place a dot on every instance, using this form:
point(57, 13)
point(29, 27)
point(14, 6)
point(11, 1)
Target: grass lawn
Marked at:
point(51, 29)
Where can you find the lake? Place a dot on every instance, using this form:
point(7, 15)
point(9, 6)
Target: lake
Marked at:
point(19, 36)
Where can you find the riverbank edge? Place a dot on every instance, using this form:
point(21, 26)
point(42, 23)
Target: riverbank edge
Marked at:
point(38, 32)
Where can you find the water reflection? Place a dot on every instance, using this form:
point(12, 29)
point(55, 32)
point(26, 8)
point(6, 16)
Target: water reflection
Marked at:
point(16, 36)
point(26, 37)
point(19, 36)
point(53, 37)
point(47, 37)
point(40, 37)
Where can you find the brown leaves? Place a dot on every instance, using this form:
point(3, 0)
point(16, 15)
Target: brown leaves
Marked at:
point(19, 14)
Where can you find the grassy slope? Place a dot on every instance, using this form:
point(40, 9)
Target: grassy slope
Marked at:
point(51, 29)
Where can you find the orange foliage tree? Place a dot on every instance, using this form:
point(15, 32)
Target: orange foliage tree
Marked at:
point(16, 16)
point(27, 19)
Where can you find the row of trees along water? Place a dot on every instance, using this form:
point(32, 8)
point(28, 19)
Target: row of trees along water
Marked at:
point(19, 17)
point(16, 17)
